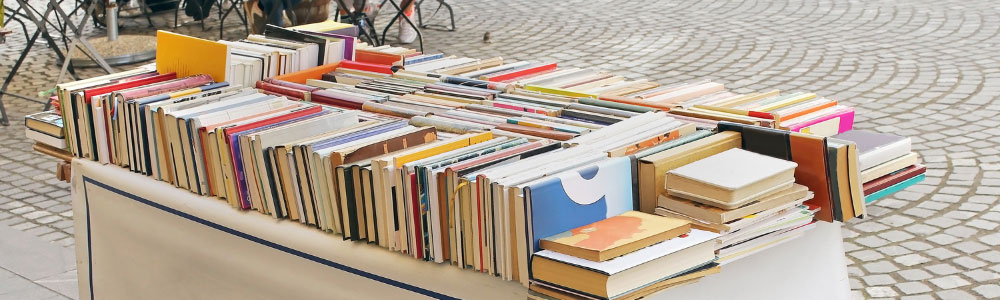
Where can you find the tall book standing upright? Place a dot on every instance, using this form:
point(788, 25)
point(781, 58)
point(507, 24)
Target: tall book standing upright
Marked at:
point(188, 56)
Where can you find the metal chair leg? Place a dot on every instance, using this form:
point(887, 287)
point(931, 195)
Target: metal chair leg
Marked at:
point(222, 19)
point(240, 12)
point(177, 11)
point(420, 14)
point(441, 3)
point(4, 120)
point(146, 11)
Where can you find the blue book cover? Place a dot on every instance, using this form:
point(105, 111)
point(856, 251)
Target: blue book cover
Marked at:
point(579, 197)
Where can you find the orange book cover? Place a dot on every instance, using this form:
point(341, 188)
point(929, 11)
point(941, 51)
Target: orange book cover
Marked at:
point(311, 73)
point(378, 58)
point(616, 236)
point(809, 152)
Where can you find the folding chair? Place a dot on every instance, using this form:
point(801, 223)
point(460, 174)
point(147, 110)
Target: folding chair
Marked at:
point(41, 29)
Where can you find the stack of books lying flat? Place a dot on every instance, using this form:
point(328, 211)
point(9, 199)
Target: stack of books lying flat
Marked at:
point(798, 112)
point(627, 256)
point(752, 200)
point(46, 128)
point(472, 162)
point(886, 162)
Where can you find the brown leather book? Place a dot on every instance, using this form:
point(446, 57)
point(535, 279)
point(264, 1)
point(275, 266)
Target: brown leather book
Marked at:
point(809, 152)
point(393, 144)
point(545, 133)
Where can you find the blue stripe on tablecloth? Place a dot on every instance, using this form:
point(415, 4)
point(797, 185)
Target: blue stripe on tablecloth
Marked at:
point(243, 235)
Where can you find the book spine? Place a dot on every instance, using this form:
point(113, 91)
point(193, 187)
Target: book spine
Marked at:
point(893, 178)
point(521, 72)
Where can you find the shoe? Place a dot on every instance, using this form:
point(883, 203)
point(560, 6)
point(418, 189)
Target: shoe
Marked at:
point(407, 34)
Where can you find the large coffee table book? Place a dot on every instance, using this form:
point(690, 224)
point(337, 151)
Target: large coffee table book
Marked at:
point(459, 161)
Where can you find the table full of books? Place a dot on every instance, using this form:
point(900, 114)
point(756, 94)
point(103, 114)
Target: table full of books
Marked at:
point(571, 182)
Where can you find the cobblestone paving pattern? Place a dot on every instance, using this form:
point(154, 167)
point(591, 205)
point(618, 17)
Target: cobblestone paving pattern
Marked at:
point(924, 69)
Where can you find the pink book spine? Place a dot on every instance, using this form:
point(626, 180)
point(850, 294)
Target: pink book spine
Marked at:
point(846, 121)
point(170, 86)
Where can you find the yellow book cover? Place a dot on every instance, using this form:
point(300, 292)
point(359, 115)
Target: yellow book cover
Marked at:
point(558, 91)
point(455, 143)
point(190, 56)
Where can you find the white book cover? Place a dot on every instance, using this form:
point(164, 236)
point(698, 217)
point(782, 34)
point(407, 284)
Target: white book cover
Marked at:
point(733, 169)
point(638, 257)
point(45, 138)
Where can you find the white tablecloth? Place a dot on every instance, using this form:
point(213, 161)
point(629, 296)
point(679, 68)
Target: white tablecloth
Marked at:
point(138, 238)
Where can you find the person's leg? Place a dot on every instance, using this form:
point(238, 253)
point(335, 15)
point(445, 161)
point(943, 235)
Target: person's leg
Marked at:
point(407, 34)
point(273, 10)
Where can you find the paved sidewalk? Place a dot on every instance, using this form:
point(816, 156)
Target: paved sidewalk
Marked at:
point(924, 69)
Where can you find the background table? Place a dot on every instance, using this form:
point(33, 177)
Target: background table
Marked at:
point(140, 238)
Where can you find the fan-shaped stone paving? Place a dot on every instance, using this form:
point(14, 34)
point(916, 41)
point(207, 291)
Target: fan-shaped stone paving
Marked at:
point(924, 69)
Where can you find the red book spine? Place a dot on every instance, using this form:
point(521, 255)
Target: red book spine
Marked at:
point(167, 86)
point(417, 210)
point(282, 90)
point(87, 94)
point(760, 114)
point(893, 178)
point(522, 72)
point(297, 86)
point(325, 97)
point(361, 66)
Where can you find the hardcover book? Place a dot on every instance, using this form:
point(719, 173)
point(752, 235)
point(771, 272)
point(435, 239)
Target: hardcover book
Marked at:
point(47, 122)
point(731, 178)
point(876, 148)
point(615, 236)
point(579, 197)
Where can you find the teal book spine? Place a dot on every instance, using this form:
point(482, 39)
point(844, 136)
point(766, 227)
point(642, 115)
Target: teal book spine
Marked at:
point(894, 188)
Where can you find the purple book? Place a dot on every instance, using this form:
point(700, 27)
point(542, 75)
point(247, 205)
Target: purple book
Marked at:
point(349, 40)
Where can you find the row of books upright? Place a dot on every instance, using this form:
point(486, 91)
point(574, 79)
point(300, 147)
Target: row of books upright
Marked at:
point(467, 161)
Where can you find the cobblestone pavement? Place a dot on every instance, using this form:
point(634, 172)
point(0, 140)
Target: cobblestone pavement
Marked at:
point(924, 69)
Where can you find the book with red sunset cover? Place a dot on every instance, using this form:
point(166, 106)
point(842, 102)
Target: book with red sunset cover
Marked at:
point(616, 236)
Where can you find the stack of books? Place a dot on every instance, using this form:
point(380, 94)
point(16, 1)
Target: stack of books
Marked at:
point(627, 256)
point(749, 198)
point(45, 127)
point(886, 162)
point(469, 162)
point(797, 112)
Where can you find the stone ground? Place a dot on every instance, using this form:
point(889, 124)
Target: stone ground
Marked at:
point(924, 69)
